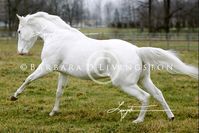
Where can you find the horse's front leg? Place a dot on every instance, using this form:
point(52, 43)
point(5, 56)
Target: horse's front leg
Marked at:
point(62, 82)
point(39, 72)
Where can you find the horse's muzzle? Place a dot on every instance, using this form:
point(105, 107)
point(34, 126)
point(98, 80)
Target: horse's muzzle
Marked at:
point(19, 53)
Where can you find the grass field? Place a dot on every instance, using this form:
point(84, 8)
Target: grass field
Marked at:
point(84, 103)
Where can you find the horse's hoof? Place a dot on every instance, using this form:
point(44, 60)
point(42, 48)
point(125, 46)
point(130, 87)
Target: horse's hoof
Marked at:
point(171, 119)
point(13, 98)
point(137, 121)
point(52, 113)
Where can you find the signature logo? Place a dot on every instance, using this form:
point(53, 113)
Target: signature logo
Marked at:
point(124, 112)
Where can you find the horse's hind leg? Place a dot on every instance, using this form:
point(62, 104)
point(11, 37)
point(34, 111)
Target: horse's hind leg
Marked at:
point(141, 95)
point(62, 82)
point(155, 92)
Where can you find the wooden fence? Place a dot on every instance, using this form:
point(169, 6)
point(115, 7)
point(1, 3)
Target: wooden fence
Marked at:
point(176, 41)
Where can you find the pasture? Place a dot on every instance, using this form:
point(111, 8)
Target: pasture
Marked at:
point(84, 103)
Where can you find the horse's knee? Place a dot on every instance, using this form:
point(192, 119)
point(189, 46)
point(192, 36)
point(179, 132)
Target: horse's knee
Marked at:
point(59, 93)
point(145, 82)
point(158, 95)
point(152, 89)
point(29, 79)
point(158, 92)
point(146, 98)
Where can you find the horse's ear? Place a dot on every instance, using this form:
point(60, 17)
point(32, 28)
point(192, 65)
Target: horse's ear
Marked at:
point(19, 17)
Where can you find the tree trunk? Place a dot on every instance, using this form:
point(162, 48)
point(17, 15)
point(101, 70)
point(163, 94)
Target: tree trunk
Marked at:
point(166, 15)
point(149, 17)
point(9, 15)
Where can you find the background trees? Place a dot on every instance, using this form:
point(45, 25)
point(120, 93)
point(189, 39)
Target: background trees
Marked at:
point(154, 15)
point(163, 15)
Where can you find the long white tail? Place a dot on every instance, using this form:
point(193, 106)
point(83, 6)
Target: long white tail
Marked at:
point(157, 56)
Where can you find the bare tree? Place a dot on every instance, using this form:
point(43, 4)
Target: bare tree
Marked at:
point(98, 13)
point(167, 15)
point(109, 12)
point(116, 21)
point(13, 6)
point(150, 14)
point(72, 11)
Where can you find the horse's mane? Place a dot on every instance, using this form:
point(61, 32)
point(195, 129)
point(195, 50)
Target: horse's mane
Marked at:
point(52, 18)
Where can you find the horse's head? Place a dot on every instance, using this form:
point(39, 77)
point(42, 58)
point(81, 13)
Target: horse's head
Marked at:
point(26, 36)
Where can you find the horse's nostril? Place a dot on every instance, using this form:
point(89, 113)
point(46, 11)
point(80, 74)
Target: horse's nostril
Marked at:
point(21, 53)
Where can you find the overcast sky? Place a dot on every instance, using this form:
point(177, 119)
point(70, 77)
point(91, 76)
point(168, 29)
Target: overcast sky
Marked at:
point(92, 3)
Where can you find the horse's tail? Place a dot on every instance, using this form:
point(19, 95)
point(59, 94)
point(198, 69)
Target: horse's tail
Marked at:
point(167, 59)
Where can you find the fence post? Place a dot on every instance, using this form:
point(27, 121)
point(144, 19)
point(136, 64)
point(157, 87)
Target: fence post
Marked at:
point(149, 37)
point(188, 41)
point(167, 39)
point(133, 37)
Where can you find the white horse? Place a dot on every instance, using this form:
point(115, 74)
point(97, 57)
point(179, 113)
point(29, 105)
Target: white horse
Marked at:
point(64, 45)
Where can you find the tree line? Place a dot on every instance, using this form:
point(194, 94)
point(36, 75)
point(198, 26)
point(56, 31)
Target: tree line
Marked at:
point(157, 15)
point(154, 15)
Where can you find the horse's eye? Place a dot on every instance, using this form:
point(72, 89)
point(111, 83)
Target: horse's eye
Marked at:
point(19, 31)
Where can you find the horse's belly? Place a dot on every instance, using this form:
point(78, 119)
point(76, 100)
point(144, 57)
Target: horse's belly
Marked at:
point(83, 75)
point(85, 70)
point(73, 70)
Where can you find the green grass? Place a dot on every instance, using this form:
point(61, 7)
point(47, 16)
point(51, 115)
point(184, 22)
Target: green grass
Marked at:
point(84, 103)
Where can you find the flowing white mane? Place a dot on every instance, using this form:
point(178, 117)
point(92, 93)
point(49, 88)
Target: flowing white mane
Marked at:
point(52, 18)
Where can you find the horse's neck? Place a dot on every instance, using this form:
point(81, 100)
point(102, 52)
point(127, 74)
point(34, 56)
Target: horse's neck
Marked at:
point(45, 29)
